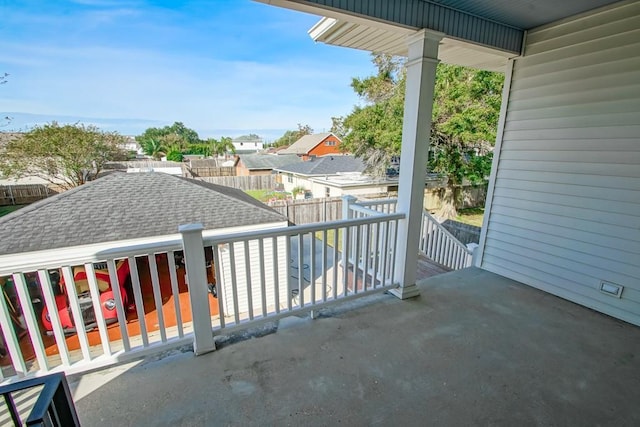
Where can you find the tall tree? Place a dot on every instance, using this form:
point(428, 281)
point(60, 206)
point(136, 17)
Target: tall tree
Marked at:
point(221, 147)
point(292, 136)
point(337, 127)
point(68, 155)
point(465, 114)
point(154, 147)
point(177, 136)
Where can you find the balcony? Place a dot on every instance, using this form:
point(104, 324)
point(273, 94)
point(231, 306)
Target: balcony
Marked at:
point(473, 348)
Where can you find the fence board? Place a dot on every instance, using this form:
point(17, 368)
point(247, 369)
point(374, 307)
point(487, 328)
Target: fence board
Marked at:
point(309, 211)
point(205, 172)
point(22, 194)
point(260, 182)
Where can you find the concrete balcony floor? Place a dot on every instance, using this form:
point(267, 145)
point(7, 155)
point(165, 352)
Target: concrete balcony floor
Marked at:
point(473, 349)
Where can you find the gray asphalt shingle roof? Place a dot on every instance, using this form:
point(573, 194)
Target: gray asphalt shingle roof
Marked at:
point(305, 144)
point(128, 206)
point(268, 161)
point(326, 165)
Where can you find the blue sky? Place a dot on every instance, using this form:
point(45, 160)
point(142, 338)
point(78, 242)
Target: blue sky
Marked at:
point(222, 67)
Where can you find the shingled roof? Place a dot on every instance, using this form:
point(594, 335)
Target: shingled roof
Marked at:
point(128, 206)
point(268, 161)
point(326, 165)
point(306, 143)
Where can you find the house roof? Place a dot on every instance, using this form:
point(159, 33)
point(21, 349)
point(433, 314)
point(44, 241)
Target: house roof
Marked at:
point(306, 143)
point(326, 165)
point(125, 206)
point(268, 161)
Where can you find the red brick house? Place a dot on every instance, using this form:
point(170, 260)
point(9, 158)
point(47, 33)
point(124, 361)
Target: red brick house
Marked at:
point(318, 144)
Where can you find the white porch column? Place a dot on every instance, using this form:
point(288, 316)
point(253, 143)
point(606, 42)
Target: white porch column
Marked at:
point(416, 129)
point(198, 293)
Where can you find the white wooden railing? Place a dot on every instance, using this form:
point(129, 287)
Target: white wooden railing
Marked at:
point(94, 328)
point(274, 273)
point(436, 242)
point(258, 275)
point(439, 245)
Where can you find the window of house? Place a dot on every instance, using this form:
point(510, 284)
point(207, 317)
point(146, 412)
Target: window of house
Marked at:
point(289, 178)
point(329, 143)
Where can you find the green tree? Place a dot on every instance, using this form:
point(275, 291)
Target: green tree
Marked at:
point(337, 127)
point(203, 149)
point(174, 156)
point(292, 136)
point(221, 147)
point(175, 137)
point(464, 123)
point(68, 155)
point(154, 147)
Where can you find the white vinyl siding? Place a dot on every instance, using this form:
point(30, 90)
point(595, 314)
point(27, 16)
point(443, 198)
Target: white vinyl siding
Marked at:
point(270, 265)
point(565, 207)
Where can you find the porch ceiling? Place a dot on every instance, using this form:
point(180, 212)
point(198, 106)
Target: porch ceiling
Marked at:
point(477, 34)
point(391, 40)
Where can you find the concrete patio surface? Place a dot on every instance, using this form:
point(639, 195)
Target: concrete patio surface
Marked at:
point(473, 349)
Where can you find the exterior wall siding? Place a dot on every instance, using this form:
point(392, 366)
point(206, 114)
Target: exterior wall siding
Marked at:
point(565, 198)
point(323, 149)
point(253, 276)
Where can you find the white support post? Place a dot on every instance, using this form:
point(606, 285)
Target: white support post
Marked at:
point(416, 129)
point(193, 247)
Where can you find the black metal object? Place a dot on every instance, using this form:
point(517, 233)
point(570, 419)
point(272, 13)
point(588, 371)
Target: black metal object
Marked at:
point(54, 405)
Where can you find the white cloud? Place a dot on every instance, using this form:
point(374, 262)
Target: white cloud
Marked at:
point(198, 79)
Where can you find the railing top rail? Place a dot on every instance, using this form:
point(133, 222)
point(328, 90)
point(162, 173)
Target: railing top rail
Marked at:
point(365, 210)
point(376, 202)
point(300, 229)
point(54, 258)
point(447, 232)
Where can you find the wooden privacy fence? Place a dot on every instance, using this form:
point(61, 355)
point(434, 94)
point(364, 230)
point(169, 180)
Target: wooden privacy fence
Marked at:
point(23, 194)
point(309, 211)
point(205, 172)
point(141, 164)
point(259, 182)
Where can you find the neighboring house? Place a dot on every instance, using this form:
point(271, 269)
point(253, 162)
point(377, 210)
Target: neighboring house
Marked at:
point(353, 184)
point(318, 144)
point(263, 164)
point(131, 144)
point(246, 145)
point(299, 175)
point(132, 209)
